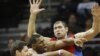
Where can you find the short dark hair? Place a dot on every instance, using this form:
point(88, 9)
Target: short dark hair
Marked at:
point(18, 45)
point(33, 40)
point(63, 22)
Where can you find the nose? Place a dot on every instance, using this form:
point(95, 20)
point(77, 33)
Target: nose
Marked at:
point(57, 30)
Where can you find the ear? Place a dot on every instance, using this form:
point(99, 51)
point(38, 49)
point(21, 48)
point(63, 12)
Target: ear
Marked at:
point(18, 53)
point(66, 29)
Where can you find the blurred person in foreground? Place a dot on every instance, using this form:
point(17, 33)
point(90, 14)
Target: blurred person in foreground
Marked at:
point(10, 45)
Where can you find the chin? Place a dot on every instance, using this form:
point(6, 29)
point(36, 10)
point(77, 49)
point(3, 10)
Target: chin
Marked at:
point(59, 37)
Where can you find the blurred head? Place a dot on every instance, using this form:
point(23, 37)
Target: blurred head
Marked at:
point(88, 23)
point(19, 49)
point(10, 43)
point(72, 19)
point(60, 29)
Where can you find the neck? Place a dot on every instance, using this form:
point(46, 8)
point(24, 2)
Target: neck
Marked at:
point(62, 37)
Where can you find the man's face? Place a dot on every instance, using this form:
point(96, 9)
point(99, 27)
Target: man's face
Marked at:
point(59, 30)
point(39, 43)
point(23, 52)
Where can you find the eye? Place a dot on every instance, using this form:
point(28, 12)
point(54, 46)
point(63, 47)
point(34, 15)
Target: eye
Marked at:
point(59, 27)
point(41, 41)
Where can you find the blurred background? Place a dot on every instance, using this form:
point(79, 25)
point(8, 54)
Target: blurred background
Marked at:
point(14, 16)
